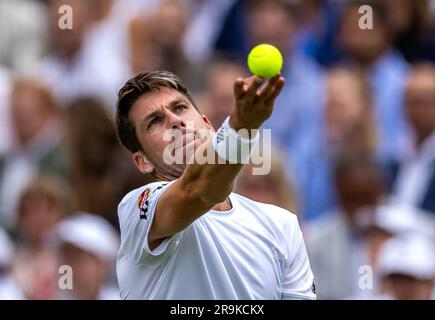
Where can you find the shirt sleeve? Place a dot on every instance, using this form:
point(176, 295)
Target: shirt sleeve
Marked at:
point(298, 280)
point(136, 214)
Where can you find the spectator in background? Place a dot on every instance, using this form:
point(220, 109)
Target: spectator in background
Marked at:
point(23, 34)
point(36, 272)
point(101, 171)
point(347, 121)
point(372, 51)
point(260, 21)
point(156, 44)
point(36, 149)
point(336, 243)
point(42, 204)
point(63, 69)
point(317, 24)
point(381, 224)
point(88, 244)
point(105, 48)
point(415, 183)
point(8, 287)
point(407, 267)
point(217, 100)
point(392, 220)
point(410, 28)
point(297, 110)
point(76, 67)
point(204, 28)
point(273, 188)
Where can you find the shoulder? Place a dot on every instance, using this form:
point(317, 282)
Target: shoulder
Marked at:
point(141, 198)
point(146, 190)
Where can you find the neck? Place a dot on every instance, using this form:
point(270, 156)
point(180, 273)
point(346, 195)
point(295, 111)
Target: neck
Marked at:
point(223, 206)
point(169, 175)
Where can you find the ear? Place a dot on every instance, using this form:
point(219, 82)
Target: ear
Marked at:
point(142, 163)
point(208, 123)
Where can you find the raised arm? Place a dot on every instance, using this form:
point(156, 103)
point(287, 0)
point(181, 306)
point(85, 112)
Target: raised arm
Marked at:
point(201, 187)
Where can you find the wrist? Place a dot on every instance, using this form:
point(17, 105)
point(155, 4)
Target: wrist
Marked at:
point(238, 126)
point(235, 147)
point(242, 131)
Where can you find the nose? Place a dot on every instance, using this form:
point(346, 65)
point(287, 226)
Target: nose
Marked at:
point(175, 121)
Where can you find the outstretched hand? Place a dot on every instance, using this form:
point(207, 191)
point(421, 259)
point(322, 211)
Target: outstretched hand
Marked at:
point(254, 105)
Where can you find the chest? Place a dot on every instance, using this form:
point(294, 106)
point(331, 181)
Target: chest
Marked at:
point(243, 253)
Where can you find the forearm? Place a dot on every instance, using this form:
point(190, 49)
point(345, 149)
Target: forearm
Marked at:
point(199, 189)
point(210, 183)
point(202, 186)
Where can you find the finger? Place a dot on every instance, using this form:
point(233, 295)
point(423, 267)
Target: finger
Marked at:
point(253, 87)
point(238, 87)
point(268, 89)
point(278, 87)
point(248, 82)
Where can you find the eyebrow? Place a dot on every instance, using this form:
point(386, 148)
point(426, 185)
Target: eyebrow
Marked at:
point(146, 119)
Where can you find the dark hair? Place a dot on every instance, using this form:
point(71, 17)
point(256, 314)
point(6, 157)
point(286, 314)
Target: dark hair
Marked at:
point(132, 91)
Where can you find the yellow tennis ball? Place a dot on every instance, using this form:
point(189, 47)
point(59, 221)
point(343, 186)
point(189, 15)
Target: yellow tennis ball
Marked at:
point(265, 61)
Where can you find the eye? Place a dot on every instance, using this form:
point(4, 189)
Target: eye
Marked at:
point(179, 108)
point(154, 121)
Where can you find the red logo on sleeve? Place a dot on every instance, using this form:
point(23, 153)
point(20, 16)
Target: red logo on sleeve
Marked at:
point(142, 202)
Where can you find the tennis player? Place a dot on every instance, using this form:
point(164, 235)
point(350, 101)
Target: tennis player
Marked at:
point(187, 235)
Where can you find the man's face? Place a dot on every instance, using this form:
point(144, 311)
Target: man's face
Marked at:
point(89, 271)
point(67, 42)
point(166, 34)
point(344, 103)
point(156, 114)
point(271, 23)
point(363, 45)
point(29, 115)
point(37, 216)
point(359, 189)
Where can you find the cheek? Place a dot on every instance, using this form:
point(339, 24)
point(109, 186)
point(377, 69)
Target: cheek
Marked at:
point(153, 142)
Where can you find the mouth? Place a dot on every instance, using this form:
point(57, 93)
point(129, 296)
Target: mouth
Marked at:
point(184, 140)
point(184, 148)
point(185, 144)
point(188, 139)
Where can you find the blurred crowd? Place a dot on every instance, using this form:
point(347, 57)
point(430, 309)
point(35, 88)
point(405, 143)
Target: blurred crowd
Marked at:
point(353, 133)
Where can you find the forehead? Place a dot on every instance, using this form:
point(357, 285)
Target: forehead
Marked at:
point(153, 101)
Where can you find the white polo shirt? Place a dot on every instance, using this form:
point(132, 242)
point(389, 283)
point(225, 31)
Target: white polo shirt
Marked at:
point(253, 251)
